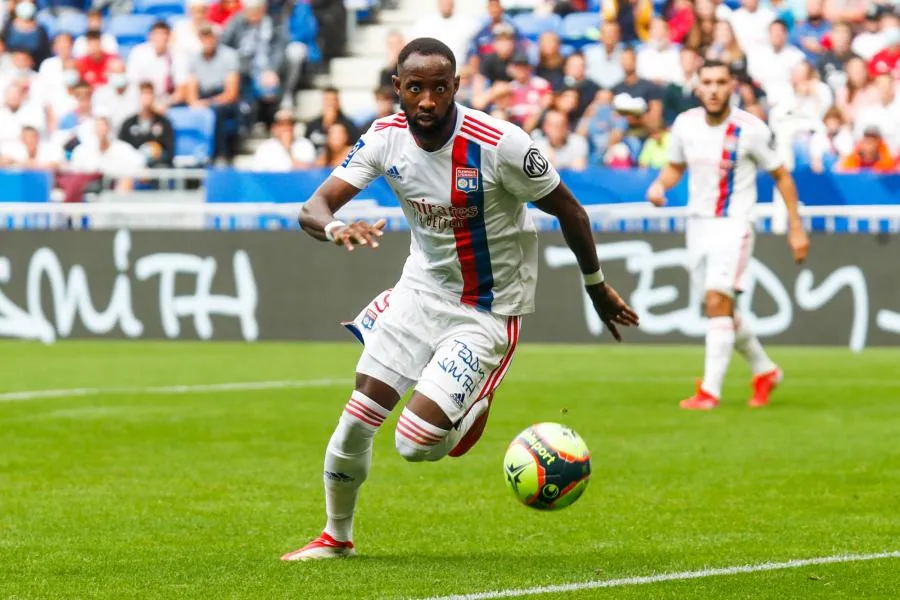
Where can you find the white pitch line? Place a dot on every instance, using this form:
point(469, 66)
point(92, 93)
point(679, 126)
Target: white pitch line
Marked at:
point(241, 386)
point(663, 577)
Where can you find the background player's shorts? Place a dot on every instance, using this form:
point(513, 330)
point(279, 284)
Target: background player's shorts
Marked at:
point(452, 353)
point(719, 251)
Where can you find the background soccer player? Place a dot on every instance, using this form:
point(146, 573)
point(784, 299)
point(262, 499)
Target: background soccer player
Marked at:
point(723, 148)
point(449, 327)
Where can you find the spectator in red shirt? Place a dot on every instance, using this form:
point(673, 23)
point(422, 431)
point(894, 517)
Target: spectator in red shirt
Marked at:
point(92, 66)
point(888, 60)
point(528, 90)
point(221, 11)
point(680, 15)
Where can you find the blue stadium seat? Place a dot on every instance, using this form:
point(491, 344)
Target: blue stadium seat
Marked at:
point(194, 133)
point(71, 22)
point(575, 26)
point(160, 9)
point(532, 26)
point(48, 22)
point(303, 26)
point(131, 29)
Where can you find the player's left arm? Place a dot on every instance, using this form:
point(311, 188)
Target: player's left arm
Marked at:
point(576, 229)
point(527, 174)
point(766, 156)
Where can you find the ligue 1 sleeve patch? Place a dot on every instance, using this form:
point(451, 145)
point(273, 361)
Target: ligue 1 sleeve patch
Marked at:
point(359, 144)
point(535, 165)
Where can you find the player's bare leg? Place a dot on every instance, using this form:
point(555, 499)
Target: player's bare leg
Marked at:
point(766, 374)
point(424, 432)
point(720, 337)
point(347, 461)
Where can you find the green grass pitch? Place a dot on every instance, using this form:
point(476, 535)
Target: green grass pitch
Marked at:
point(130, 494)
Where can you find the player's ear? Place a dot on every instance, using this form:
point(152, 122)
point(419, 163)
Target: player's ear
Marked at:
point(455, 84)
point(396, 81)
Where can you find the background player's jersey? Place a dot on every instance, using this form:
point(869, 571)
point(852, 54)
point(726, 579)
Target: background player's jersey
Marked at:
point(722, 161)
point(472, 238)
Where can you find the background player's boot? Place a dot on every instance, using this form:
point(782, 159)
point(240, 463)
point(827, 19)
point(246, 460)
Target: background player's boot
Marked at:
point(474, 430)
point(320, 548)
point(701, 400)
point(763, 385)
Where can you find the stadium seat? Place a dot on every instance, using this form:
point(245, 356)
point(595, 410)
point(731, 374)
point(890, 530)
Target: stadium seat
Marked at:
point(131, 29)
point(303, 26)
point(575, 27)
point(532, 26)
point(48, 22)
point(160, 9)
point(194, 133)
point(71, 22)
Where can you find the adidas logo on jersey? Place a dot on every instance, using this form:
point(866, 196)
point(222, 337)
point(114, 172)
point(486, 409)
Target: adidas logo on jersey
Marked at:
point(394, 173)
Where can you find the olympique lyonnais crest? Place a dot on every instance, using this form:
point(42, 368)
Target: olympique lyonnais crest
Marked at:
point(467, 180)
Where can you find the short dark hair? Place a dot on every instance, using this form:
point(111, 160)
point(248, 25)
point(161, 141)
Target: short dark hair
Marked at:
point(781, 22)
point(427, 47)
point(65, 34)
point(330, 90)
point(712, 63)
point(146, 85)
point(160, 25)
point(93, 34)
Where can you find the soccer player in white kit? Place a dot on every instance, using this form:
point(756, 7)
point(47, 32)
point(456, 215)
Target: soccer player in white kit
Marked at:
point(449, 327)
point(723, 148)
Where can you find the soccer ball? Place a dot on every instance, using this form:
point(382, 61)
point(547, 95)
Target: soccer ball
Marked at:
point(547, 466)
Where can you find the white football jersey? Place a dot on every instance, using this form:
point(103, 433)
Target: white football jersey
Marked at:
point(722, 161)
point(472, 237)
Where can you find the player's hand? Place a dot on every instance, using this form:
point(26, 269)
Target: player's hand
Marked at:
point(359, 233)
point(611, 309)
point(799, 243)
point(656, 194)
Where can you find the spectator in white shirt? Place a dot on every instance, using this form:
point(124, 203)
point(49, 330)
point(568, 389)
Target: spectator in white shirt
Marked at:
point(117, 98)
point(604, 60)
point(813, 97)
point(284, 151)
point(29, 152)
point(751, 26)
point(871, 41)
point(50, 72)
point(658, 60)
point(885, 114)
point(18, 111)
point(107, 40)
point(772, 66)
point(186, 41)
point(832, 142)
point(154, 61)
point(20, 68)
point(455, 30)
point(107, 155)
point(564, 149)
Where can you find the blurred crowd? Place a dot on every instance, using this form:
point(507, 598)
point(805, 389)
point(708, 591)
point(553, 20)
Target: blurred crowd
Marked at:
point(823, 73)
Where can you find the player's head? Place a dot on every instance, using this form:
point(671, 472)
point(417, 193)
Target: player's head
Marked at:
point(426, 84)
point(716, 87)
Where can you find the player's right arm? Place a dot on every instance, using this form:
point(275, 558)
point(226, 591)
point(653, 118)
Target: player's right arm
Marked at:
point(673, 171)
point(317, 216)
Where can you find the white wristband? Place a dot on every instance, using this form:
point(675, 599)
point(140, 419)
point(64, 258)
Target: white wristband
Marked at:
point(594, 278)
point(330, 227)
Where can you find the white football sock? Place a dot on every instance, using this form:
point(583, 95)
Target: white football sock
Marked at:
point(719, 344)
point(347, 461)
point(748, 345)
point(416, 439)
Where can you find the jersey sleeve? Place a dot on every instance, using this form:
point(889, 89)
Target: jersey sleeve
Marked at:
point(363, 163)
point(762, 147)
point(523, 169)
point(676, 143)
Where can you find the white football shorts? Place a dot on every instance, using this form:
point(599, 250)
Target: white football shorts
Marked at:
point(454, 354)
point(719, 250)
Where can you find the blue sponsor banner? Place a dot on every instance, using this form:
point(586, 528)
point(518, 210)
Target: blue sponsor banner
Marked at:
point(594, 186)
point(25, 186)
